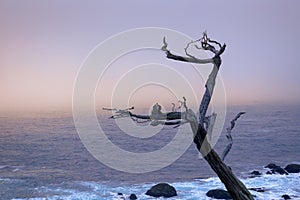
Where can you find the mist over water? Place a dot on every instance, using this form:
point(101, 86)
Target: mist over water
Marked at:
point(42, 156)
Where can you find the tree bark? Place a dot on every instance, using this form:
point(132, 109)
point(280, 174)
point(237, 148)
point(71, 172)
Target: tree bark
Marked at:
point(235, 187)
point(229, 137)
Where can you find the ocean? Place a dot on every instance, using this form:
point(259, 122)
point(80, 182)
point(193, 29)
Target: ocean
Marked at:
point(42, 157)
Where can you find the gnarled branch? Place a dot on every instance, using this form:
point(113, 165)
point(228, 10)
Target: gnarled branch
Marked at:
point(190, 59)
point(206, 44)
point(157, 117)
point(228, 135)
point(234, 186)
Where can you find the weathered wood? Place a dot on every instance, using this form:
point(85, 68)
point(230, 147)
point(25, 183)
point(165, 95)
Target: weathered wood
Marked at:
point(228, 135)
point(162, 116)
point(235, 187)
point(187, 59)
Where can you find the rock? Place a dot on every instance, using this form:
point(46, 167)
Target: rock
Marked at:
point(293, 168)
point(162, 190)
point(132, 197)
point(120, 194)
point(271, 166)
point(218, 194)
point(279, 171)
point(270, 173)
point(258, 189)
point(285, 196)
point(275, 169)
point(255, 173)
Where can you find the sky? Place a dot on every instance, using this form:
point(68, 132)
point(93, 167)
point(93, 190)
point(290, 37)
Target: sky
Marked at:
point(44, 44)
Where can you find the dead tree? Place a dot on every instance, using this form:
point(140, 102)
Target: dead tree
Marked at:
point(202, 124)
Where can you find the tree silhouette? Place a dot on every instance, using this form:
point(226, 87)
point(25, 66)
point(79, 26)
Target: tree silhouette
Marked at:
point(200, 124)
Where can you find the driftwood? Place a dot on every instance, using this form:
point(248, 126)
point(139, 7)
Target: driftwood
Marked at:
point(200, 125)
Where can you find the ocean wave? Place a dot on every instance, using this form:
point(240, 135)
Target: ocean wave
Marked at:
point(273, 187)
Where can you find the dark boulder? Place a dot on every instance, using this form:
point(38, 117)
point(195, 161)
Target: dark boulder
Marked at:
point(271, 166)
point(162, 190)
point(132, 197)
point(218, 194)
point(285, 196)
point(120, 194)
point(255, 173)
point(293, 168)
point(275, 169)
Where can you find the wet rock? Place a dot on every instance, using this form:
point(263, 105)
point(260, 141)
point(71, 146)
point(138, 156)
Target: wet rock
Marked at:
point(162, 190)
point(269, 173)
point(218, 194)
point(293, 168)
point(132, 197)
point(275, 169)
point(255, 174)
point(271, 166)
point(285, 196)
point(258, 189)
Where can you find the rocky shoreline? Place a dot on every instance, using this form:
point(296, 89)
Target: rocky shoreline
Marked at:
point(166, 190)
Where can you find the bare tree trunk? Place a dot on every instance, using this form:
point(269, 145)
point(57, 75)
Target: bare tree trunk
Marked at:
point(234, 186)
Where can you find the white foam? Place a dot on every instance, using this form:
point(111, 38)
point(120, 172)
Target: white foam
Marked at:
point(275, 186)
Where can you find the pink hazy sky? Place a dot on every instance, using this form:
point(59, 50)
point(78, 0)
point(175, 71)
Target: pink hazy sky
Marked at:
point(43, 44)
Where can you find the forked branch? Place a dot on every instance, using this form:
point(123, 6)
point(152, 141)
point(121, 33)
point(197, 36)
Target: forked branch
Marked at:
point(234, 186)
point(206, 44)
point(157, 117)
point(228, 135)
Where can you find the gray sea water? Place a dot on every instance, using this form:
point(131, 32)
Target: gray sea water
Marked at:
point(42, 157)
